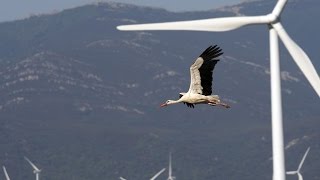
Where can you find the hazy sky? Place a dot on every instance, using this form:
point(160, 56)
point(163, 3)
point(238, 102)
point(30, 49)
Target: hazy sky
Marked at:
point(17, 9)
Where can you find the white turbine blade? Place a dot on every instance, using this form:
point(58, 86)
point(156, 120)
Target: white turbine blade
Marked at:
point(300, 176)
point(214, 24)
point(122, 178)
point(291, 172)
point(158, 174)
point(300, 57)
point(6, 173)
point(304, 157)
point(33, 166)
point(279, 7)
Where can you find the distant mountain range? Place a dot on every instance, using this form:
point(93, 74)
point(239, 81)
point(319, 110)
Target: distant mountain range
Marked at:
point(81, 99)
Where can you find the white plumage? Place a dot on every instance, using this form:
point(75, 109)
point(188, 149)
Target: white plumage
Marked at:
point(200, 89)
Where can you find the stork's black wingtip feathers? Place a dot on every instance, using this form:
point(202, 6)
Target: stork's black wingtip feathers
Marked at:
point(210, 59)
point(211, 52)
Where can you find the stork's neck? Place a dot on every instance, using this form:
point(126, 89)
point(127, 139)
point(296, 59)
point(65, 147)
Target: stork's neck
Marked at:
point(174, 101)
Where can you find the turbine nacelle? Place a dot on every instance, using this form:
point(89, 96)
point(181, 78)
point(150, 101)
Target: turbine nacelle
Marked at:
point(36, 171)
point(272, 18)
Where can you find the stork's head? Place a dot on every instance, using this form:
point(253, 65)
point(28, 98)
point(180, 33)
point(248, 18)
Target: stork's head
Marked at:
point(168, 102)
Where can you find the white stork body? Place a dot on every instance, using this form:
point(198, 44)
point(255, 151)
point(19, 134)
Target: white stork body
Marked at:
point(200, 89)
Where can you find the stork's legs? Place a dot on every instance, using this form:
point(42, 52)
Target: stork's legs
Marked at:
point(219, 103)
point(224, 105)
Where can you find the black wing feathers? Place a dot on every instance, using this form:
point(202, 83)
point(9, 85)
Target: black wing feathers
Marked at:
point(207, 67)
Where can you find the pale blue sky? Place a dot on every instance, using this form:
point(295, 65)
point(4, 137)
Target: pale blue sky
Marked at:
point(17, 9)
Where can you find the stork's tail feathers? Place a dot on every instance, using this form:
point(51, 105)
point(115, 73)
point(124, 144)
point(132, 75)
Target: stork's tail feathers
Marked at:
point(211, 52)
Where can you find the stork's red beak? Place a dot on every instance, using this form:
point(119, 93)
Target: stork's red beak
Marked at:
point(163, 105)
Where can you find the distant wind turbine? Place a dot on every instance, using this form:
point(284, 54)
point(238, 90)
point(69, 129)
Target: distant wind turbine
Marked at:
point(5, 173)
point(121, 178)
point(36, 170)
point(300, 165)
point(275, 29)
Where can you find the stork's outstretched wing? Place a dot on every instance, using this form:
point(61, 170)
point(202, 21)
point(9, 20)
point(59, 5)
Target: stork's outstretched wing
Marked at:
point(201, 71)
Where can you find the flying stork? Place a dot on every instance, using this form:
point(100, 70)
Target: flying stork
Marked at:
point(200, 89)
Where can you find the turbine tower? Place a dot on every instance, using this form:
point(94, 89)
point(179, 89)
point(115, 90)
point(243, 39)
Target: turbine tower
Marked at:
point(300, 165)
point(36, 170)
point(275, 30)
point(6, 173)
point(170, 177)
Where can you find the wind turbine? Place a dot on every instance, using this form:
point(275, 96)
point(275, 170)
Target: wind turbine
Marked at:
point(121, 178)
point(300, 165)
point(5, 173)
point(170, 177)
point(36, 170)
point(273, 21)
